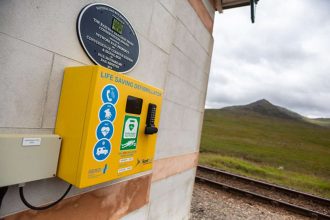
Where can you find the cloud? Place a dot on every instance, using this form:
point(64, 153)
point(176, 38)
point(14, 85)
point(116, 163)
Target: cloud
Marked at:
point(283, 57)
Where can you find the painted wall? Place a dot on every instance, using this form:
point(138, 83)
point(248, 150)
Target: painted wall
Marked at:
point(38, 40)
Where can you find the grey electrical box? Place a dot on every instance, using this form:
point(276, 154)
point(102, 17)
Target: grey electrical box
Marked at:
point(25, 158)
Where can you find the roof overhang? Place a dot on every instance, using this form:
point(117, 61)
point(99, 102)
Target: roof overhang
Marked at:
point(228, 4)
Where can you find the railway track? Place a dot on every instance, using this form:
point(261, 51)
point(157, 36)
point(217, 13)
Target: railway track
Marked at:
point(291, 200)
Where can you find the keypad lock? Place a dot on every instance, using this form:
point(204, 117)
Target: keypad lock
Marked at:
point(150, 123)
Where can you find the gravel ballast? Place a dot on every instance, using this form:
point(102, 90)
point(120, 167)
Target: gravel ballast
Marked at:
point(283, 196)
point(210, 203)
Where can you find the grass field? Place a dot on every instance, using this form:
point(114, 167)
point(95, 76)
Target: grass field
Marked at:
point(320, 121)
point(292, 153)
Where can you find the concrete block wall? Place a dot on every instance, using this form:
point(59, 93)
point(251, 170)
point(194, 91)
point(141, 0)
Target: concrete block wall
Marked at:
point(38, 40)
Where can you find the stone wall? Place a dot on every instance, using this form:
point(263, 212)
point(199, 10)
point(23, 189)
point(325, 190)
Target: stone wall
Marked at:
point(38, 40)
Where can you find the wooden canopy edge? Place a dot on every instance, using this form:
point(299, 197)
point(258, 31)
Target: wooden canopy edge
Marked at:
point(221, 5)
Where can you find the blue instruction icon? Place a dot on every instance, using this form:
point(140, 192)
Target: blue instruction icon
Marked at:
point(110, 94)
point(104, 130)
point(107, 112)
point(101, 150)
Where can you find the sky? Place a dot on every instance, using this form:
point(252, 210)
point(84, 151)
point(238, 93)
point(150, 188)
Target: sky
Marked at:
point(283, 57)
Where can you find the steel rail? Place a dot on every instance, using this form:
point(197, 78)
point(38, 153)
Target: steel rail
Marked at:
point(261, 198)
point(265, 185)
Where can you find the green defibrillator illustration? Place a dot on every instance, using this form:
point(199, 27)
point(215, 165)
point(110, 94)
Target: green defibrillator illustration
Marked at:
point(130, 133)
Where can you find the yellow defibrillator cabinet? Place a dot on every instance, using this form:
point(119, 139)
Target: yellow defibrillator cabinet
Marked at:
point(108, 122)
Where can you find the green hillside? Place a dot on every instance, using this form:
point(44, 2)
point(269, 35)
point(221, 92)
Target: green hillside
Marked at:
point(268, 142)
point(319, 121)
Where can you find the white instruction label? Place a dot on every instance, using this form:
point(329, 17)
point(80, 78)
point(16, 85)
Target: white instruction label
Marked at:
point(124, 160)
point(31, 142)
point(124, 169)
